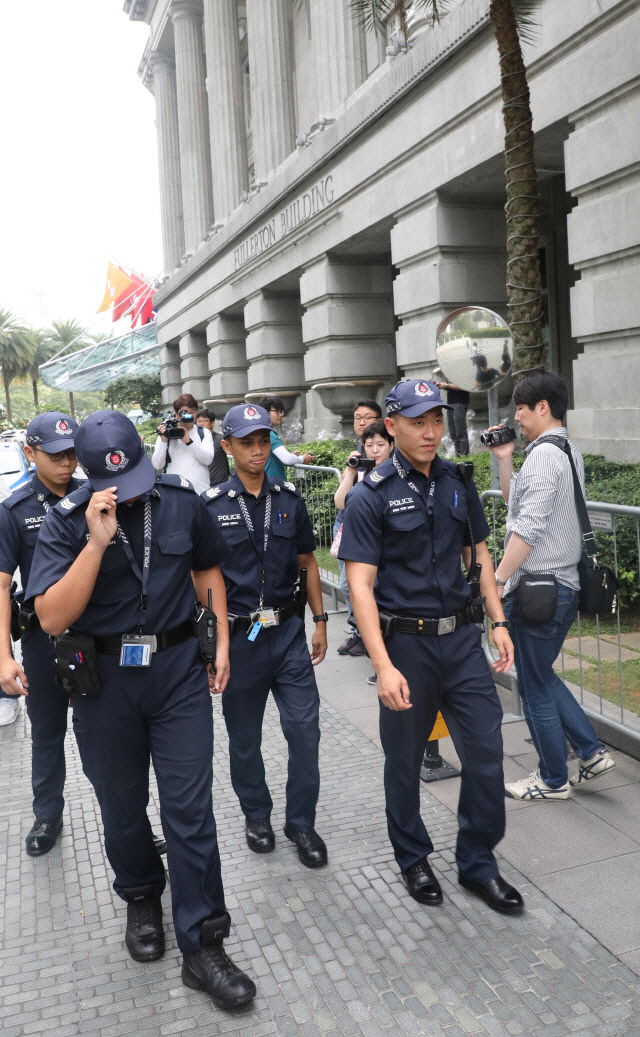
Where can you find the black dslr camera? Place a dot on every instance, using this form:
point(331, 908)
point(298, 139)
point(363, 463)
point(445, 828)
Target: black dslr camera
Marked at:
point(363, 464)
point(498, 436)
point(172, 429)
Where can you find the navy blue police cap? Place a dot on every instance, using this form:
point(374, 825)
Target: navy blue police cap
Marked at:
point(52, 432)
point(111, 453)
point(243, 419)
point(414, 397)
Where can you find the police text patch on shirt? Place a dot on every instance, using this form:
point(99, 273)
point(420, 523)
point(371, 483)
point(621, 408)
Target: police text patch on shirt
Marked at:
point(34, 521)
point(402, 504)
point(230, 520)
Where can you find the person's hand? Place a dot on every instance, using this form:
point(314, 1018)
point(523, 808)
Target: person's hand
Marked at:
point(500, 590)
point(186, 438)
point(505, 450)
point(101, 517)
point(308, 458)
point(10, 673)
point(504, 644)
point(393, 688)
point(319, 643)
point(442, 385)
point(219, 672)
point(162, 432)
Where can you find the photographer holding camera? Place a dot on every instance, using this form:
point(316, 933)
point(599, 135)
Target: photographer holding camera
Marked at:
point(539, 572)
point(182, 447)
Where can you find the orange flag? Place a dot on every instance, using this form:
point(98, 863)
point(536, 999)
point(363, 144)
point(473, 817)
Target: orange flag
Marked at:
point(117, 283)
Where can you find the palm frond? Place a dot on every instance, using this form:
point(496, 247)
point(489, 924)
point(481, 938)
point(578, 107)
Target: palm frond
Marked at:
point(528, 23)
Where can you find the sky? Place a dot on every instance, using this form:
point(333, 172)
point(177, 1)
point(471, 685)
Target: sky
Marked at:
point(79, 172)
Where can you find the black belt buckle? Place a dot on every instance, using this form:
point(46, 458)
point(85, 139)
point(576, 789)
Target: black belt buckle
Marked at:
point(388, 624)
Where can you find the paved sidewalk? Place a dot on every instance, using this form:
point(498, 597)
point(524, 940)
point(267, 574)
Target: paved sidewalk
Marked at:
point(341, 951)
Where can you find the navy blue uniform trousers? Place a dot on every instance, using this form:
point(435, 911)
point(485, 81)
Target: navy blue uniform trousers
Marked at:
point(163, 713)
point(448, 673)
point(47, 707)
point(278, 660)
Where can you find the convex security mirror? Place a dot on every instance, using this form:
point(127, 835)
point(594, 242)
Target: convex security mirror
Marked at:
point(474, 347)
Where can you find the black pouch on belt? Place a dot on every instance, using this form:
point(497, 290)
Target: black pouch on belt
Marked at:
point(77, 665)
point(537, 598)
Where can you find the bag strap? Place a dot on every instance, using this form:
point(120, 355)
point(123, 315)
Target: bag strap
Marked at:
point(588, 538)
point(168, 455)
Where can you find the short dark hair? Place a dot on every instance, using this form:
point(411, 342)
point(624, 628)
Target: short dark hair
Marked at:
point(543, 385)
point(272, 403)
point(185, 400)
point(376, 428)
point(206, 413)
point(371, 404)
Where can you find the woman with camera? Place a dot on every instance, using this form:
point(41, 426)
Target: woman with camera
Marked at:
point(182, 447)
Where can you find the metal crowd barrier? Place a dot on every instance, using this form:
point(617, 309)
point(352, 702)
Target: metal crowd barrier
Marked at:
point(591, 649)
point(317, 485)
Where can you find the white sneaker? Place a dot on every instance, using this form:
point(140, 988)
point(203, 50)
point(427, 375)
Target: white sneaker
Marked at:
point(9, 709)
point(593, 768)
point(534, 788)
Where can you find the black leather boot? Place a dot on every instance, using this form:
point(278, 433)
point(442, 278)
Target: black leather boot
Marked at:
point(145, 933)
point(211, 970)
point(259, 834)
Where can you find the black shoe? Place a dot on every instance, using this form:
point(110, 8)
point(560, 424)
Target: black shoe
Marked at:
point(311, 849)
point(145, 933)
point(42, 836)
point(210, 969)
point(358, 648)
point(497, 893)
point(160, 844)
point(259, 833)
point(422, 884)
point(351, 642)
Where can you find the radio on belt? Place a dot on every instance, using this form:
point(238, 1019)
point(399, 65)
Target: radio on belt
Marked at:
point(205, 628)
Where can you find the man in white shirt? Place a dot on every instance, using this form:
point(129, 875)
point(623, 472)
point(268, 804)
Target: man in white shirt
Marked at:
point(190, 456)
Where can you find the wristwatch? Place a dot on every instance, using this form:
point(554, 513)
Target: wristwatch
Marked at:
point(500, 623)
point(499, 582)
point(323, 618)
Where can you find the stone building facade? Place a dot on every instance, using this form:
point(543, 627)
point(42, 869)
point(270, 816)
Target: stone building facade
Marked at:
point(327, 196)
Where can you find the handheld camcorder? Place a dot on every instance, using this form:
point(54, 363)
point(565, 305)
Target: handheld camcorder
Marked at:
point(172, 427)
point(498, 436)
point(363, 464)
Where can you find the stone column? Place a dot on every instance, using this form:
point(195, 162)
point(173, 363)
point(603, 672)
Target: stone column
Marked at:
point(347, 329)
point(194, 365)
point(602, 157)
point(270, 63)
point(338, 53)
point(448, 256)
point(227, 360)
point(164, 89)
point(226, 105)
point(274, 343)
point(170, 373)
point(193, 120)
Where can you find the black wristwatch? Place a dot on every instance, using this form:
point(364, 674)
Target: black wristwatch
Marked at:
point(500, 623)
point(323, 618)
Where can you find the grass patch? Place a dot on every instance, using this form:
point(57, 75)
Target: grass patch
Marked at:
point(629, 624)
point(610, 676)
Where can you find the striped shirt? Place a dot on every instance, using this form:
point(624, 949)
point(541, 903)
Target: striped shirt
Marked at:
point(542, 511)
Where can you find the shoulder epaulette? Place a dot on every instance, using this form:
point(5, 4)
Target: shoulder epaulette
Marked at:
point(378, 475)
point(216, 491)
point(70, 503)
point(283, 484)
point(19, 495)
point(174, 480)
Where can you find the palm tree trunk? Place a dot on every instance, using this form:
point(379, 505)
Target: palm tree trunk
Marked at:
point(34, 383)
point(523, 264)
point(6, 382)
point(71, 407)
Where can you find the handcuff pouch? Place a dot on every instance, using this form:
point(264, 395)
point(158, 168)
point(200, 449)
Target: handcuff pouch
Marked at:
point(77, 664)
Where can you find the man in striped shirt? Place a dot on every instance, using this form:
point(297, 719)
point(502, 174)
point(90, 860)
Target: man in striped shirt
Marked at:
point(543, 536)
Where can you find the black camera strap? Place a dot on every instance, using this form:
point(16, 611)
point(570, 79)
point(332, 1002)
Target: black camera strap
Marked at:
point(146, 560)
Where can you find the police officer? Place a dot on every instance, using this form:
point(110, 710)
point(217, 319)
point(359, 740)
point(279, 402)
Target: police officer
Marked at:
point(50, 446)
point(405, 529)
point(113, 563)
point(265, 523)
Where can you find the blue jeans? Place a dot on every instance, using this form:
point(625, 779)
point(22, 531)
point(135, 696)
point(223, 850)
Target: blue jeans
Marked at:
point(344, 587)
point(551, 711)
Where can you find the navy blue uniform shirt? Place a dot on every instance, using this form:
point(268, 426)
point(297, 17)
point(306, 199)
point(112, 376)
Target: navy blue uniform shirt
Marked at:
point(21, 516)
point(290, 535)
point(386, 525)
point(183, 538)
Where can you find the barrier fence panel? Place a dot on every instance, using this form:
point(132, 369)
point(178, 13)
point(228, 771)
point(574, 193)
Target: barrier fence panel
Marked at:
point(600, 660)
point(317, 486)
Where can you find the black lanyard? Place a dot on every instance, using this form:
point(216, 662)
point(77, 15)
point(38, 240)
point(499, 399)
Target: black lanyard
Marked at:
point(430, 492)
point(146, 560)
point(267, 526)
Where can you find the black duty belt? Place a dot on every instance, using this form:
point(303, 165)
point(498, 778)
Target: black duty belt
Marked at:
point(246, 622)
point(169, 638)
point(415, 625)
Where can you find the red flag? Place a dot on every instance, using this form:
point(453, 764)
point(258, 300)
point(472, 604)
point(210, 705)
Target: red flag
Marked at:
point(142, 304)
point(123, 302)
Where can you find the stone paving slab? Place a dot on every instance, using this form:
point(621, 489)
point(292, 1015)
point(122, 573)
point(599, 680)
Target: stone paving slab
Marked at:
point(340, 952)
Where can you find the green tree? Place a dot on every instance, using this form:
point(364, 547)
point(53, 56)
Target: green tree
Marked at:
point(64, 333)
point(513, 22)
point(144, 389)
point(43, 351)
point(17, 348)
